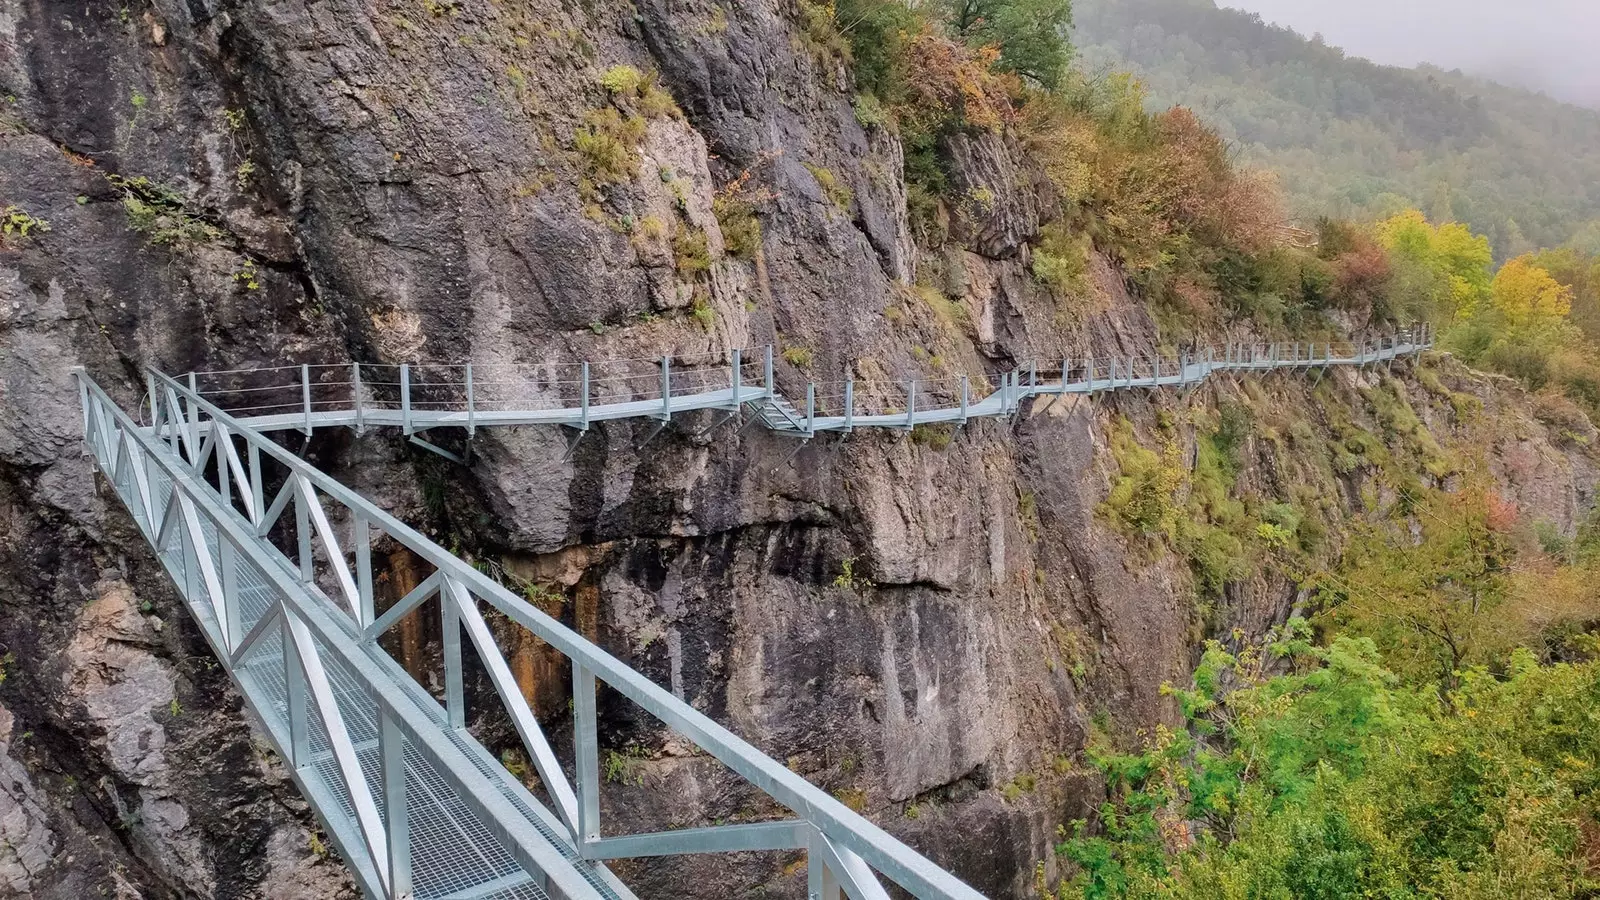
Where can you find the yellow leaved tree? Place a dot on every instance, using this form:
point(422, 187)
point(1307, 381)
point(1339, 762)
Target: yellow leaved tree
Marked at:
point(1526, 294)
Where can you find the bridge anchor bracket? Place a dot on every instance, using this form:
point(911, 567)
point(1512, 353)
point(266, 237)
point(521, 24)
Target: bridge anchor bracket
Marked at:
point(654, 430)
point(718, 422)
point(435, 448)
point(572, 442)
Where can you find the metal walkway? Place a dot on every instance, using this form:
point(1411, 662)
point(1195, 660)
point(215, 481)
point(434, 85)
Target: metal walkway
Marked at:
point(416, 806)
point(419, 398)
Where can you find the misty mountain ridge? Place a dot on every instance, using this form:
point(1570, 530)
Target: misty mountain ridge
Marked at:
point(1354, 138)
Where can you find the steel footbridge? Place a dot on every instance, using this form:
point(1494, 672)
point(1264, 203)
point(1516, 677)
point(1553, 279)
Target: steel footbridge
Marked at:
point(274, 561)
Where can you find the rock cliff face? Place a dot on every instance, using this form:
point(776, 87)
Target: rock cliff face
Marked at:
point(925, 629)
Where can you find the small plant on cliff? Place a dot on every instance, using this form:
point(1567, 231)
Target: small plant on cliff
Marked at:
point(690, 251)
point(161, 213)
point(632, 88)
point(5, 665)
point(607, 144)
point(1060, 259)
point(796, 355)
point(837, 192)
point(18, 222)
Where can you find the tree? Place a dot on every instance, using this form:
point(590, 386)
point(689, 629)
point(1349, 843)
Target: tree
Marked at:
point(1526, 294)
point(1449, 264)
point(1030, 34)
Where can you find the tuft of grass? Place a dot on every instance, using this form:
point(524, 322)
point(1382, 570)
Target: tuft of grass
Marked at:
point(703, 313)
point(632, 88)
point(607, 143)
point(837, 192)
point(690, 251)
point(798, 356)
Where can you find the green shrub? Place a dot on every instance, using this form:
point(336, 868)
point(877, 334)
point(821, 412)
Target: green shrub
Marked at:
point(18, 222)
point(1060, 259)
point(736, 219)
point(607, 144)
point(690, 251)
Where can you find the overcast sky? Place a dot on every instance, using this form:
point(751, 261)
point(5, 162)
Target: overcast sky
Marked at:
point(1549, 45)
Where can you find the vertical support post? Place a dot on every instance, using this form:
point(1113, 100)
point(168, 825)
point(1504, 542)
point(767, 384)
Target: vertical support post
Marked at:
point(355, 397)
point(771, 385)
point(1088, 374)
point(811, 408)
point(1066, 372)
point(305, 396)
point(396, 823)
point(256, 495)
point(821, 882)
point(302, 530)
point(455, 704)
point(294, 679)
point(666, 388)
point(220, 434)
point(965, 396)
point(911, 403)
point(849, 402)
point(472, 426)
point(149, 386)
point(361, 539)
point(228, 567)
point(583, 403)
point(405, 398)
point(194, 419)
point(1156, 368)
point(586, 760)
point(1033, 375)
point(735, 380)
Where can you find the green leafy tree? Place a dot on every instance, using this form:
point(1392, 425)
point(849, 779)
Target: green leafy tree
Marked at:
point(1032, 35)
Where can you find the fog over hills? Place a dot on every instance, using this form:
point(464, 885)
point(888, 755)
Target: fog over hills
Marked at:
point(1545, 45)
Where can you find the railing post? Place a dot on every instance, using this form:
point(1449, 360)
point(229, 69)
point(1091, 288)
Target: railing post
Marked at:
point(305, 396)
point(911, 403)
point(149, 386)
point(1155, 366)
point(771, 385)
point(1088, 374)
point(811, 408)
point(302, 530)
point(257, 496)
point(361, 539)
point(586, 762)
point(454, 695)
point(666, 388)
point(849, 402)
point(405, 398)
point(220, 434)
point(355, 395)
point(472, 426)
point(965, 388)
point(294, 679)
point(193, 419)
point(396, 822)
point(1066, 372)
point(228, 568)
point(735, 380)
point(583, 403)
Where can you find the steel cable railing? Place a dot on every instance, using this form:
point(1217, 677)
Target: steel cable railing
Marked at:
point(422, 396)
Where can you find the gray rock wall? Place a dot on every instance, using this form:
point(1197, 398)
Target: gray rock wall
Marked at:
point(926, 631)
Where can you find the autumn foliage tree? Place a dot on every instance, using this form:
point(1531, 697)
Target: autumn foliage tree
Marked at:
point(1528, 295)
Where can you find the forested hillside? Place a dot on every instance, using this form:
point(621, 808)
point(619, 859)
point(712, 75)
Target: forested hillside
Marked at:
point(1358, 140)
